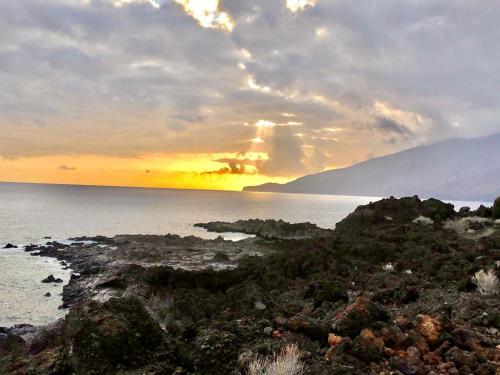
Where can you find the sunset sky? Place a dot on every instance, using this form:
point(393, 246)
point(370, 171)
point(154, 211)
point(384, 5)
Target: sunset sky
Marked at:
point(223, 94)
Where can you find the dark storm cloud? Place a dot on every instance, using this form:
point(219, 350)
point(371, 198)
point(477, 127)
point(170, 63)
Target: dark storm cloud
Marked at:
point(134, 79)
point(233, 167)
point(390, 126)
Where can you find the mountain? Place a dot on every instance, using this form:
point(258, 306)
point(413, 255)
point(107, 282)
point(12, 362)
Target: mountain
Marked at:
point(456, 169)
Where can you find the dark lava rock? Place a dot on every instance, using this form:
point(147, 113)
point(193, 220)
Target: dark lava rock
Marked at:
point(10, 246)
point(464, 210)
point(312, 328)
point(483, 211)
point(30, 248)
point(496, 209)
point(405, 366)
point(47, 294)
point(461, 357)
point(396, 295)
point(21, 329)
point(10, 344)
point(217, 350)
point(268, 229)
point(362, 313)
point(220, 257)
point(56, 245)
point(216, 322)
point(402, 210)
point(103, 337)
point(46, 337)
point(51, 279)
point(326, 291)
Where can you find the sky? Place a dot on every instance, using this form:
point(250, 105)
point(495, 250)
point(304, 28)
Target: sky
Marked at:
point(211, 94)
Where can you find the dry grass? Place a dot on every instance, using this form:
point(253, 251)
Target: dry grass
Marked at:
point(287, 362)
point(389, 267)
point(486, 281)
point(423, 220)
point(464, 224)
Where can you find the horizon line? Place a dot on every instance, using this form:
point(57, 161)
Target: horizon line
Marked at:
point(113, 186)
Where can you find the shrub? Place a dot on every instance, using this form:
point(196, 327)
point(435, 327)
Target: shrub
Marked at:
point(285, 363)
point(486, 281)
point(423, 220)
point(389, 267)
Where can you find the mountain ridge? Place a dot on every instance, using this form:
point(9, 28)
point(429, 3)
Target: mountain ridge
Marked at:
point(455, 169)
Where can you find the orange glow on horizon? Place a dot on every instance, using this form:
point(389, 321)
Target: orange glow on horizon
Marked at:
point(179, 171)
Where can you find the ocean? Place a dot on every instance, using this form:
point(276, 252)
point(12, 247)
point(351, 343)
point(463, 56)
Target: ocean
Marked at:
point(31, 212)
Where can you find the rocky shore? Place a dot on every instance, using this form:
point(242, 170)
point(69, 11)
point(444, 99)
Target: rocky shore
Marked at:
point(401, 286)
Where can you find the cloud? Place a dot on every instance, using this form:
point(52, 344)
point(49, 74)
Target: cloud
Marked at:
point(235, 166)
point(296, 5)
point(387, 125)
point(189, 117)
point(120, 81)
point(207, 13)
point(285, 155)
point(154, 3)
point(64, 167)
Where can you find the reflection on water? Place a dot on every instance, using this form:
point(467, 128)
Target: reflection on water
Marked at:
point(30, 212)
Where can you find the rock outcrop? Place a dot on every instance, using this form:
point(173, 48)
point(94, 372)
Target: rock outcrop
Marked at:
point(268, 229)
point(496, 209)
point(383, 293)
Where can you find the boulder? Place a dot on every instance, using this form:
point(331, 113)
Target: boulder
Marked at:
point(483, 211)
point(220, 257)
point(362, 313)
point(368, 346)
point(100, 338)
point(428, 327)
point(30, 248)
point(51, 279)
point(22, 329)
point(496, 209)
point(464, 211)
point(312, 328)
point(461, 357)
point(402, 210)
point(405, 366)
point(10, 246)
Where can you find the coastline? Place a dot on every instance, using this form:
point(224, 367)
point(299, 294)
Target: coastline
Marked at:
point(24, 299)
point(212, 305)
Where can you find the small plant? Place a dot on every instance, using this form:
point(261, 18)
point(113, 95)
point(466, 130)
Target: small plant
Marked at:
point(423, 220)
point(389, 267)
point(287, 362)
point(486, 281)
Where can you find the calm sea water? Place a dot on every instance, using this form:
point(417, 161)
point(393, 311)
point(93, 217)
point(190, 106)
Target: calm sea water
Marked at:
point(29, 212)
